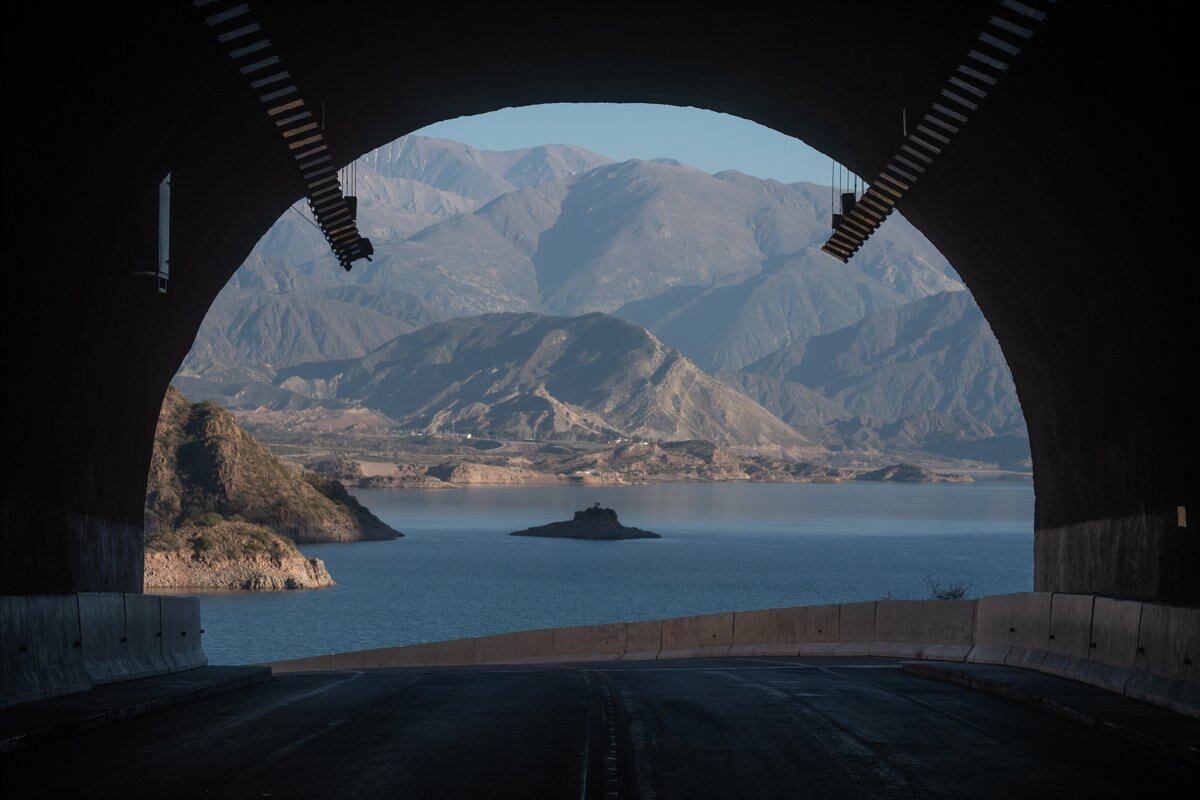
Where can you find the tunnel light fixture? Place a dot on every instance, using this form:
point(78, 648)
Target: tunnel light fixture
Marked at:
point(247, 44)
point(991, 53)
point(164, 233)
point(162, 272)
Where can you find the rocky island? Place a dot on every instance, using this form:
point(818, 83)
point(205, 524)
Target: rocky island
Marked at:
point(223, 513)
point(595, 523)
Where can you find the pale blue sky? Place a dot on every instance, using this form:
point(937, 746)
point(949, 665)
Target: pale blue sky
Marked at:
point(704, 139)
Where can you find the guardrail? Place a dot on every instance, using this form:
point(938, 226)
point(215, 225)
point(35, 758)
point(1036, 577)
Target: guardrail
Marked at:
point(57, 644)
point(1143, 650)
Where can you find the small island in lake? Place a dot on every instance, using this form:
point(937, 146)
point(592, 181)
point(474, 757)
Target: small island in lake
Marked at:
point(594, 523)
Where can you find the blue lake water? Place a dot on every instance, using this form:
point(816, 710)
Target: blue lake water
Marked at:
point(725, 547)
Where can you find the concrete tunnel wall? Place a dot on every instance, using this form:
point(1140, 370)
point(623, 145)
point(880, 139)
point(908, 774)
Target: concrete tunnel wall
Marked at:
point(1053, 204)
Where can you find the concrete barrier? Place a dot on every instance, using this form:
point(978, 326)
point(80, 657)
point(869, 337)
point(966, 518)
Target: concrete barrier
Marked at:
point(856, 629)
point(993, 629)
point(1169, 642)
point(588, 643)
point(1143, 650)
point(43, 655)
point(699, 636)
point(520, 647)
point(143, 646)
point(1067, 643)
point(1112, 644)
point(548, 645)
point(102, 632)
point(553, 645)
point(643, 640)
point(1011, 629)
point(1030, 624)
point(456, 652)
point(1166, 664)
point(934, 629)
point(57, 644)
point(315, 663)
point(802, 630)
point(180, 629)
point(355, 659)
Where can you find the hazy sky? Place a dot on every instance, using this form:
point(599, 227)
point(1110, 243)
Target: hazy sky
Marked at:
point(704, 139)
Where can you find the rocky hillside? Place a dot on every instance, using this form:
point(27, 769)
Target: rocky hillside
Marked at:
point(928, 375)
point(273, 314)
point(262, 330)
point(532, 376)
point(203, 465)
point(726, 268)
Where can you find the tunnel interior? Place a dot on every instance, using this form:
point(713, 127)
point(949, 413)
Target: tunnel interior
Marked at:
point(1040, 205)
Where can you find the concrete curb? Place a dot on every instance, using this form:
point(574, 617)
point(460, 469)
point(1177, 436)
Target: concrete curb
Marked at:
point(948, 674)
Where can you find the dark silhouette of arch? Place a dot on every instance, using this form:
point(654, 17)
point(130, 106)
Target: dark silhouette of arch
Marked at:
point(1042, 204)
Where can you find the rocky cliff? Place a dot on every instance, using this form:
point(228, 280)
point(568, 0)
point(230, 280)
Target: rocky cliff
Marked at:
point(203, 463)
point(223, 512)
point(221, 554)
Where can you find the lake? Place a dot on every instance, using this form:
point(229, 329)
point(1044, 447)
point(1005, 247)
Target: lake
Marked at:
point(726, 546)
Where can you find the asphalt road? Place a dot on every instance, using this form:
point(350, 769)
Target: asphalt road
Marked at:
point(711, 728)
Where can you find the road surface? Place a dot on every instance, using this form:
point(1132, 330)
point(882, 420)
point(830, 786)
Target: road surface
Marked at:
point(707, 728)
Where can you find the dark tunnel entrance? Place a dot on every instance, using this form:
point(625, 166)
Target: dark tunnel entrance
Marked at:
point(1089, 321)
point(290, 324)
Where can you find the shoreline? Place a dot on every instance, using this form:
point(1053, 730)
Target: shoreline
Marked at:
point(981, 476)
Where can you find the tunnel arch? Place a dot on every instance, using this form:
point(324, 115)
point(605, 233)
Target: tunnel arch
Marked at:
point(1047, 243)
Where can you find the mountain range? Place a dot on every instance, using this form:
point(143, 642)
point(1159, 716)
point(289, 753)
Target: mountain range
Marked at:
point(721, 275)
point(928, 375)
point(726, 268)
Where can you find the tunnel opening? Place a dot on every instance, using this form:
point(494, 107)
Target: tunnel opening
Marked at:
point(519, 228)
point(1093, 317)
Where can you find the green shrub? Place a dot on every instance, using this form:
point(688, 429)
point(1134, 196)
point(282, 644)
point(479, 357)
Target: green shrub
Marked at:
point(165, 541)
point(951, 591)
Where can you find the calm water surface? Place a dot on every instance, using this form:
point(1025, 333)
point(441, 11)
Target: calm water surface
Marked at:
point(726, 547)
